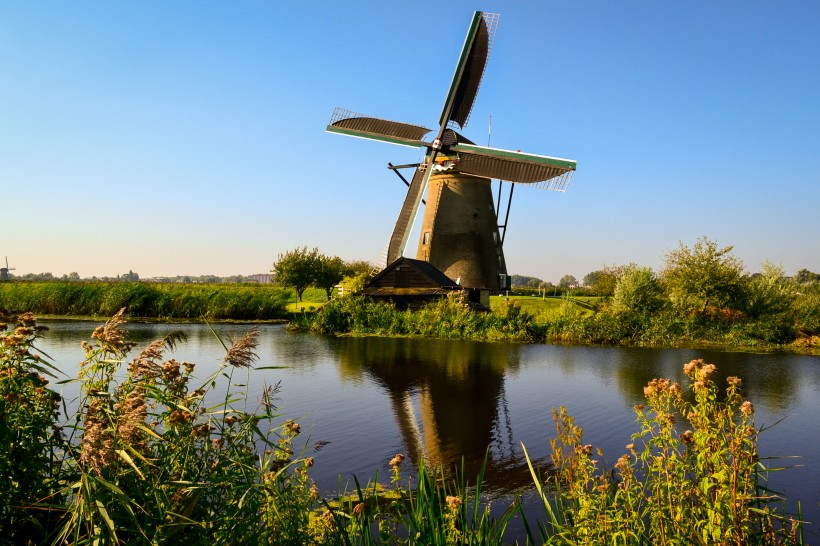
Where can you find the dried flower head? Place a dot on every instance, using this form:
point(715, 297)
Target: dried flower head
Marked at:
point(691, 367)
point(733, 381)
point(706, 371)
point(747, 408)
point(111, 335)
point(397, 460)
point(97, 446)
point(242, 353)
point(453, 503)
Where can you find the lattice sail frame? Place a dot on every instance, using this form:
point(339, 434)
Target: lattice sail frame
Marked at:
point(491, 20)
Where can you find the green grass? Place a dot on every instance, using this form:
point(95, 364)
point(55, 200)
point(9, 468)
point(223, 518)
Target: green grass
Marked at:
point(542, 308)
point(312, 299)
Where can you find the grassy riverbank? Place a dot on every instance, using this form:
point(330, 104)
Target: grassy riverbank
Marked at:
point(148, 300)
point(145, 461)
point(791, 323)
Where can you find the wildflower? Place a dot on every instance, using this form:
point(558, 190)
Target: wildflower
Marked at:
point(707, 370)
point(242, 353)
point(692, 366)
point(733, 381)
point(293, 427)
point(699, 385)
point(687, 437)
point(314, 492)
point(638, 407)
point(189, 367)
point(170, 370)
point(359, 508)
point(397, 460)
point(308, 462)
point(202, 430)
point(453, 503)
point(623, 462)
point(630, 447)
point(747, 408)
point(675, 390)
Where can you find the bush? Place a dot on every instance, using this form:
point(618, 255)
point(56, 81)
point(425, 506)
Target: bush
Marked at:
point(700, 486)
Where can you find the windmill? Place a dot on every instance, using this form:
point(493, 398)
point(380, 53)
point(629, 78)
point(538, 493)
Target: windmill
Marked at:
point(460, 232)
point(4, 271)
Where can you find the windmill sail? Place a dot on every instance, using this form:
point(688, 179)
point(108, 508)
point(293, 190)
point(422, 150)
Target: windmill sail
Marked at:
point(514, 166)
point(349, 123)
point(407, 216)
point(470, 69)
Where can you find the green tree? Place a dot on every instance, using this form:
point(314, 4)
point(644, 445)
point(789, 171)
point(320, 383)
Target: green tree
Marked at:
point(703, 275)
point(328, 272)
point(638, 290)
point(567, 282)
point(359, 267)
point(602, 281)
point(805, 276)
point(769, 294)
point(296, 268)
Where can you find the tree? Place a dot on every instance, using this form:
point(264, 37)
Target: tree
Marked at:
point(567, 282)
point(328, 272)
point(638, 290)
point(359, 267)
point(703, 275)
point(592, 278)
point(296, 268)
point(769, 294)
point(805, 276)
point(523, 280)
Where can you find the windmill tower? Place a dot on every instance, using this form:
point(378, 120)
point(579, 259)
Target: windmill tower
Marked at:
point(4, 271)
point(460, 232)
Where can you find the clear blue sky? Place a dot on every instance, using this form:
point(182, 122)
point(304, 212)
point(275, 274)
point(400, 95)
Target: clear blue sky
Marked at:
point(188, 137)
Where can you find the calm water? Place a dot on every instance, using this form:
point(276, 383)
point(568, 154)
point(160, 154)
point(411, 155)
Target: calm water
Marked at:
point(370, 398)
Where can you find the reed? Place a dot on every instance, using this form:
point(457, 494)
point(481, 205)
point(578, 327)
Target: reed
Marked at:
point(148, 300)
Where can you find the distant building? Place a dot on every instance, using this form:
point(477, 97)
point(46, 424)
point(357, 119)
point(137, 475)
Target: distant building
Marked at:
point(261, 278)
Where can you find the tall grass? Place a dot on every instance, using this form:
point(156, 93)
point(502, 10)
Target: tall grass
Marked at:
point(147, 300)
point(447, 318)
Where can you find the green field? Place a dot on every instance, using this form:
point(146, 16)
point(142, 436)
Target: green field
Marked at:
point(543, 308)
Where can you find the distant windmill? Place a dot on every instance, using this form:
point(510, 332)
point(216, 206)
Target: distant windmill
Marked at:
point(460, 232)
point(4, 271)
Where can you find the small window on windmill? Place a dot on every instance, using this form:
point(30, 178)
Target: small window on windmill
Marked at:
point(426, 240)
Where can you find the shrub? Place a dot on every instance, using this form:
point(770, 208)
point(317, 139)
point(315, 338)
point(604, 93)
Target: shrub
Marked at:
point(700, 486)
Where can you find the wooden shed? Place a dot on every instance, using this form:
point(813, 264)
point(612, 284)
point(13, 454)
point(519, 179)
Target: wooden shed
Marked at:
point(410, 283)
